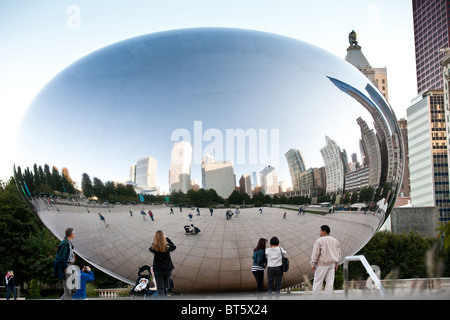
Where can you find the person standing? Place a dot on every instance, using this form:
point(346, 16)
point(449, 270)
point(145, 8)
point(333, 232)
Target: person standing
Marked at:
point(143, 215)
point(86, 275)
point(274, 256)
point(10, 284)
point(65, 257)
point(259, 264)
point(150, 213)
point(162, 262)
point(325, 258)
point(102, 218)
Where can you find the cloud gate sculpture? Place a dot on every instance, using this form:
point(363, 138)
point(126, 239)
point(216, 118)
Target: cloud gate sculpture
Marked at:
point(212, 109)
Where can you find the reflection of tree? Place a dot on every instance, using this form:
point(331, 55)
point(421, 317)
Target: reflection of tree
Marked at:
point(108, 191)
point(42, 180)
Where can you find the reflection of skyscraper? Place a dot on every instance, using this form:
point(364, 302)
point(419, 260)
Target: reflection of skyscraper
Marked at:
point(428, 159)
point(132, 174)
point(405, 188)
point(296, 166)
point(254, 179)
point(306, 179)
point(385, 126)
point(205, 160)
point(245, 185)
point(334, 167)
point(371, 154)
point(146, 175)
point(218, 176)
point(269, 181)
point(180, 169)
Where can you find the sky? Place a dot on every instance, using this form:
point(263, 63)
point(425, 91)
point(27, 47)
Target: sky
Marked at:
point(41, 38)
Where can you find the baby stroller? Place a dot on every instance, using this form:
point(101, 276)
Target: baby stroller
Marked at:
point(143, 284)
point(190, 231)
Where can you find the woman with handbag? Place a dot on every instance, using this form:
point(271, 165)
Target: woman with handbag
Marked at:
point(259, 264)
point(274, 256)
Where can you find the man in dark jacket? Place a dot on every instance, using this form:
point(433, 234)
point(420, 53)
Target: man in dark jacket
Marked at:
point(64, 259)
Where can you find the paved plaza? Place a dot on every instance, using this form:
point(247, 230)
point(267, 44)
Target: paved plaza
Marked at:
point(219, 258)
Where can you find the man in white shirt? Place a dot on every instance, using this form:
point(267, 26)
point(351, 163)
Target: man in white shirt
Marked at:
point(325, 259)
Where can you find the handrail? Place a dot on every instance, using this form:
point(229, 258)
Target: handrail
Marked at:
point(110, 293)
point(369, 270)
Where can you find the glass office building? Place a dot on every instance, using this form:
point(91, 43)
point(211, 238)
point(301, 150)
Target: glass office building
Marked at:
point(431, 35)
point(146, 175)
point(296, 165)
point(428, 159)
point(180, 169)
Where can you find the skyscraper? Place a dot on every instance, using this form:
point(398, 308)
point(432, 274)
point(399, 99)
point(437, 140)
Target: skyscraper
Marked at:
point(446, 87)
point(405, 188)
point(254, 180)
point(371, 153)
point(431, 34)
point(180, 168)
point(269, 181)
point(355, 56)
point(296, 166)
point(428, 158)
point(146, 175)
point(334, 167)
point(132, 174)
point(218, 176)
point(245, 185)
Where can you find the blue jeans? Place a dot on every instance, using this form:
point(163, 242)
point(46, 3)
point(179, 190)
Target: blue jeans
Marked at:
point(8, 291)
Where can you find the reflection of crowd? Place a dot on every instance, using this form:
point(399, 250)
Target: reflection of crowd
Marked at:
point(274, 275)
point(49, 201)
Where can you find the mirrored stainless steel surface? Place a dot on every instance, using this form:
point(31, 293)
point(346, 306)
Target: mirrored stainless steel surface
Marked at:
point(243, 103)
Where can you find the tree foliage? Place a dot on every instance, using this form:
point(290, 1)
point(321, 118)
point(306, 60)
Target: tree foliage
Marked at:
point(403, 256)
point(26, 246)
point(45, 180)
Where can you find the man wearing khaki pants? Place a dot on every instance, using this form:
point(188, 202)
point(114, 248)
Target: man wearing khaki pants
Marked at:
point(325, 259)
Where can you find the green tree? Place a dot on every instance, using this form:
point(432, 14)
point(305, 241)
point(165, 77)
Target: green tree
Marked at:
point(86, 185)
point(47, 176)
point(26, 246)
point(56, 180)
point(366, 194)
point(234, 198)
point(212, 196)
point(401, 254)
point(67, 182)
point(444, 231)
point(98, 188)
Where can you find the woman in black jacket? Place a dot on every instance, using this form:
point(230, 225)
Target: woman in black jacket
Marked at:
point(162, 263)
